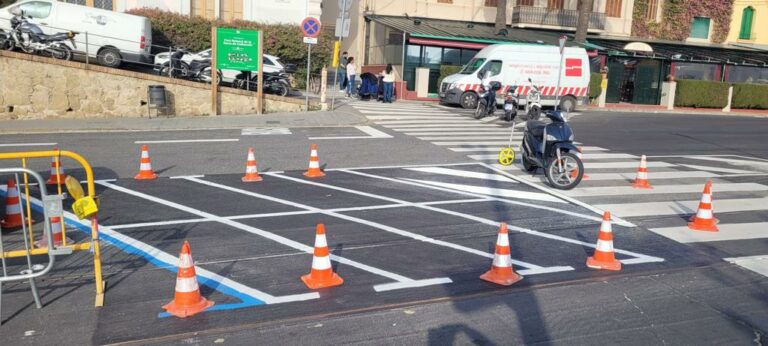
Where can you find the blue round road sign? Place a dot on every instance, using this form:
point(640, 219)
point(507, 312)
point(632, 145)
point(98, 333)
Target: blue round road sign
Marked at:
point(311, 27)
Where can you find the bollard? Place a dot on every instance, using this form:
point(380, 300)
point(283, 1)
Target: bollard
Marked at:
point(324, 88)
point(730, 99)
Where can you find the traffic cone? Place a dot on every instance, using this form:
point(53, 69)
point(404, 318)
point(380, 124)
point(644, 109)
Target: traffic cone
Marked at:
point(187, 300)
point(705, 218)
point(321, 275)
point(604, 257)
point(145, 169)
point(56, 178)
point(641, 182)
point(314, 165)
point(13, 218)
point(576, 173)
point(58, 236)
point(251, 172)
point(501, 270)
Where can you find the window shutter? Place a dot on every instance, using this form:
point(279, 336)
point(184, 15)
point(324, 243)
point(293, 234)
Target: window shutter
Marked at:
point(746, 23)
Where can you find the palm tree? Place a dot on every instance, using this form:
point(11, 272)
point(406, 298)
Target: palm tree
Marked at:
point(501, 16)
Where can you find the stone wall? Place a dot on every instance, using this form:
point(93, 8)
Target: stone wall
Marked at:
point(34, 87)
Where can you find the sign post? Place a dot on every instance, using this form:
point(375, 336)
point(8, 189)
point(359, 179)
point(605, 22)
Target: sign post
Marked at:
point(311, 28)
point(561, 42)
point(239, 50)
point(342, 30)
point(214, 75)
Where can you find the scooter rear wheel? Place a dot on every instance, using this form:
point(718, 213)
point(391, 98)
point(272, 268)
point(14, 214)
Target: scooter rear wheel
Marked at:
point(480, 110)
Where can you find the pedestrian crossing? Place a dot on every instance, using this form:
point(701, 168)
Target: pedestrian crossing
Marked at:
point(741, 206)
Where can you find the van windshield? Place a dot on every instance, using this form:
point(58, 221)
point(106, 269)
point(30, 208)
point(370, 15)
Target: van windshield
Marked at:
point(473, 66)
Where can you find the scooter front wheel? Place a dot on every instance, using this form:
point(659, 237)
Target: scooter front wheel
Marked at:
point(480, 110)
point(565, 174)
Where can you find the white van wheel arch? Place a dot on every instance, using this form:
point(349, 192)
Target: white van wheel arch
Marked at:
point(468, 100)
point(567, 103)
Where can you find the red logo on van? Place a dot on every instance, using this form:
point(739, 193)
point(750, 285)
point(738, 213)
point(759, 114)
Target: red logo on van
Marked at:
point(573, 67)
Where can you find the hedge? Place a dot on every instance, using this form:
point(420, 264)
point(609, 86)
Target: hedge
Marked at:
point(701, 94)
point(751, 96)
point(594, 85)
point(447, 70)
point(281, 40)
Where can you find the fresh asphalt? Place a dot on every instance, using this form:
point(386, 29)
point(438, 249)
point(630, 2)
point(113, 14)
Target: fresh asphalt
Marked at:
point(692, 297)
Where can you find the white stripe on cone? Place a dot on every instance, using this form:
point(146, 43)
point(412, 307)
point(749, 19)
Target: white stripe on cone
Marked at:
point(502, 240)
point(144, 154)
point(145, 167)
point(185, 261)
point(706, 198)
point(13, 209)
point(704, 214)
point(604, 245)
point(186, 285)
point(502, 261)
point(321, 263)
point(320, 241)
point(314, 164)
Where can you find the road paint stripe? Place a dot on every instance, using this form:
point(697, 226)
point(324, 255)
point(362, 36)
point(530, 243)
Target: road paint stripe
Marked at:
point(465, 138)
point(605, 156)
point(654, 175)
point(188, 141)
point(488, 119)
point(663, 189)
point(476, 142)
point(466, 149)
point(265, 131)
point(412, 284)
point(411, 117)
point(492, 157)
point(422, 122)
point(401, 166)
point(264, 234)
point(461, 173)
point(185, 176)
point(370, 131)
point(683, 207)
point(491, 191)
point(626, 164)
point(757, 264)
point(733, 231)
point(446, 127)
point(735, 162)
point(718, 169)
point(461, 131)
point(404, 112)
point(28, 144)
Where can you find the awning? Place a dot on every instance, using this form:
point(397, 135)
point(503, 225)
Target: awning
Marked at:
point(684, 52)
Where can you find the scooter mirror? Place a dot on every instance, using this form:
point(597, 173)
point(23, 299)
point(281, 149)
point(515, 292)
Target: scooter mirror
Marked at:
point(530, 80)
point(16, 11)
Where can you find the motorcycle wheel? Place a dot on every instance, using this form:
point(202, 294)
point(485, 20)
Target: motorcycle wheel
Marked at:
point(282, 90)
point(571, 174)
point(62, 52)
point(480, 110)
point(179, 73)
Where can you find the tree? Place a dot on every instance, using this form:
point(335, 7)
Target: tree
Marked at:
point(585, 11)
point(4, 3)
point(501, 16)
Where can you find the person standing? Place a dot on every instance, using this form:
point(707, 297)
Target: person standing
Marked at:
point(351, 72)
point(389, 83)
point(341, 72)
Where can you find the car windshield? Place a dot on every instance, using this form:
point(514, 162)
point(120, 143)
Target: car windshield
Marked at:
point(473, 66)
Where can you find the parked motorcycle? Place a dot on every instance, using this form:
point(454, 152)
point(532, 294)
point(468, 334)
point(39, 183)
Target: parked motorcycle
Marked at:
point(274, 83)
point(533, 102)
point(197, 70)
point(486, 104)
point(550, 146)
point(510, 104)
point(31, 39)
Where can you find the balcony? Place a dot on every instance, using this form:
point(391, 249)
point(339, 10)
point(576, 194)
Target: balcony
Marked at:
point(545, 17)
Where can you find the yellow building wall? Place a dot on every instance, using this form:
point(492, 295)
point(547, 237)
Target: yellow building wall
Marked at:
point(759, 20)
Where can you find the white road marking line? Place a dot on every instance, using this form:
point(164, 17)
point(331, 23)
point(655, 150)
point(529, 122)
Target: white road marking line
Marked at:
point(467, 149)
point(683, 207)
point(370, 131)
point(185, 176)
point(426, 121)
point(627, 164)
point(605, 156)
point(490, 191)
point(718, 169)
point(493, 157)
point(663, 189)
point(462, 173)
point(470, 132)
point(400, 232)
point(446, 127)
point(28, 144)
point(757, 264)
point(268, 235)
point(733, 231)
point(189, 141)
point(412, 284)
point(489, 119)
point(407, 112)
point(257, 131)
point(411, 117)
point(465, 138)
point(476, 142)
point(652, 175)
point(640, 258)
point(735, 162)
point(400, 166)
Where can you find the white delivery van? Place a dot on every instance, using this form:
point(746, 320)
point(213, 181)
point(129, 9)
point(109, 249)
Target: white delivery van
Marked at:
point(512, 65)
point(113, 37)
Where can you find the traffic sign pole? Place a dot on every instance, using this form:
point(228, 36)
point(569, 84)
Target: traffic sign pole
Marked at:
point(309, 65)
point(311, 28)
point(560, 71)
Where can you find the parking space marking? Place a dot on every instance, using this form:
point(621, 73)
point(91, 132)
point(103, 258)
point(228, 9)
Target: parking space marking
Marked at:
point(370, 131)
point(271, 236)
point(462, 173)
point(173, 141)
point(492, 191)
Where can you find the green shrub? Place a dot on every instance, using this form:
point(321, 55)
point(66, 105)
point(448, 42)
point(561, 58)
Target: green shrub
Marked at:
point(751, 96)
point(701, 94)
point(447, 70)
point(594, 85)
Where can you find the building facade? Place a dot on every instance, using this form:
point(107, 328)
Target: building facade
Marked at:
point(748, 23)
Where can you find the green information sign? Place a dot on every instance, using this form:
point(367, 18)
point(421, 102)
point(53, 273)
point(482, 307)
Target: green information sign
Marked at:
point(237, 49)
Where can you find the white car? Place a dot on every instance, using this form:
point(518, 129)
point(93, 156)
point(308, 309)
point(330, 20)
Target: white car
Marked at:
point(271, 63)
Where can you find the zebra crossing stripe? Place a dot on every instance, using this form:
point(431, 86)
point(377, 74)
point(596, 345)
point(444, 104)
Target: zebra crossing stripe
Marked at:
point(662, 189)
point(738, 231)
point(683, 207)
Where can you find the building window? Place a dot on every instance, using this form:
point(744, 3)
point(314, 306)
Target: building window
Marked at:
point(613, 8)
point(231, 10)
point(746, 23)
point(555, 4)
point(525, 2)
point(491, 3)
point(700, 28)
point(444, 1)
point(650, 12)
point(204, 8)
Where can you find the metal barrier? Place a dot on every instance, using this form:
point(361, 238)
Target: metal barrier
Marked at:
point(52, 204)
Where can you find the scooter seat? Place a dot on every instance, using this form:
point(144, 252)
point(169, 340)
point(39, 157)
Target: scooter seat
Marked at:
point(536, 127)
point(52, 38)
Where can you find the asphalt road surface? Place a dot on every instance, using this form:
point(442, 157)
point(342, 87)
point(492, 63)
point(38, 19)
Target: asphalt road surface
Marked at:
point(412, 206)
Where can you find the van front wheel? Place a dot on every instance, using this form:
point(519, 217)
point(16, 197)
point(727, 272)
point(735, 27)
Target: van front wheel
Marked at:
point(469, 100)
point(110, 57)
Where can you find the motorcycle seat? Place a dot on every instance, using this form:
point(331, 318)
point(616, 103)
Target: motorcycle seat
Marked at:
point(55, 37)
point(536, 127)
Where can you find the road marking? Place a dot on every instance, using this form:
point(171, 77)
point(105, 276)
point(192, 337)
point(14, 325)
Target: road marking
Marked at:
point(718, 169)
point(464, 138)
point(653, 175)
point(489, 119)
point(422, 122)
point(370, 131)
point(627, 164)
point(491, 191)
point(683, 207)
point(462, 173)
point(259, 131)
point(189, 141)
point(268, 235)
point(390, 112)
point(185, 176)
point(497, 149)
point(28, 144)
point(402, 166)
point(733, 231)
point(447, 127)
point(477, 143)
point(490, 157)
point(663, 189)
point(735, 162)
point(757, 264)
point(605, 156)
point(411, 117)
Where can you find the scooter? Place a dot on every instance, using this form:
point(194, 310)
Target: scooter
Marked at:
point(197, 70)
point(533, 102)
point(486, 105)
point(31, 39)
point(274, 83)
point(550, 146)
point(510, 104)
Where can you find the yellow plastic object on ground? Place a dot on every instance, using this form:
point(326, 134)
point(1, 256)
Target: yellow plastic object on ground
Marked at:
point(507, 156)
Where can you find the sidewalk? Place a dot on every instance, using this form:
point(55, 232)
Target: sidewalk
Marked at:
point(311, 119)
point(631, 108)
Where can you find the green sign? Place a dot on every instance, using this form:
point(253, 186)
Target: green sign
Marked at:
point(237, 49)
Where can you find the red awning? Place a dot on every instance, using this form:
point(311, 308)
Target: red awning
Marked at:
point(444, 43)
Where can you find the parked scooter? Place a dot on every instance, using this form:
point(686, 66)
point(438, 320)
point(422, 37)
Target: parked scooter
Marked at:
point(550, 146)
point(533, 102)
point(274, 83)
point(486, 104)
point(197, 70)
point(31, 39)
point(510, 104)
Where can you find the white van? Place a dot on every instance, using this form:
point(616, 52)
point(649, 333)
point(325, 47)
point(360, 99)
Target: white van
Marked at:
point(113, 37)
point(512, 65)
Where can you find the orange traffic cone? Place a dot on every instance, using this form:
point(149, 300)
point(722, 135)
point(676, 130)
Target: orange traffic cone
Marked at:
point(13, 218)
point(321, 275)
point(705, 218)
point(251, 172)
point(145, 169)
point(187, 301)
point(314, 165)
point(576, 173)
point(56, 178)
point(501, 270)
point(641, 182)
point(58, 236)
point(604, 257)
